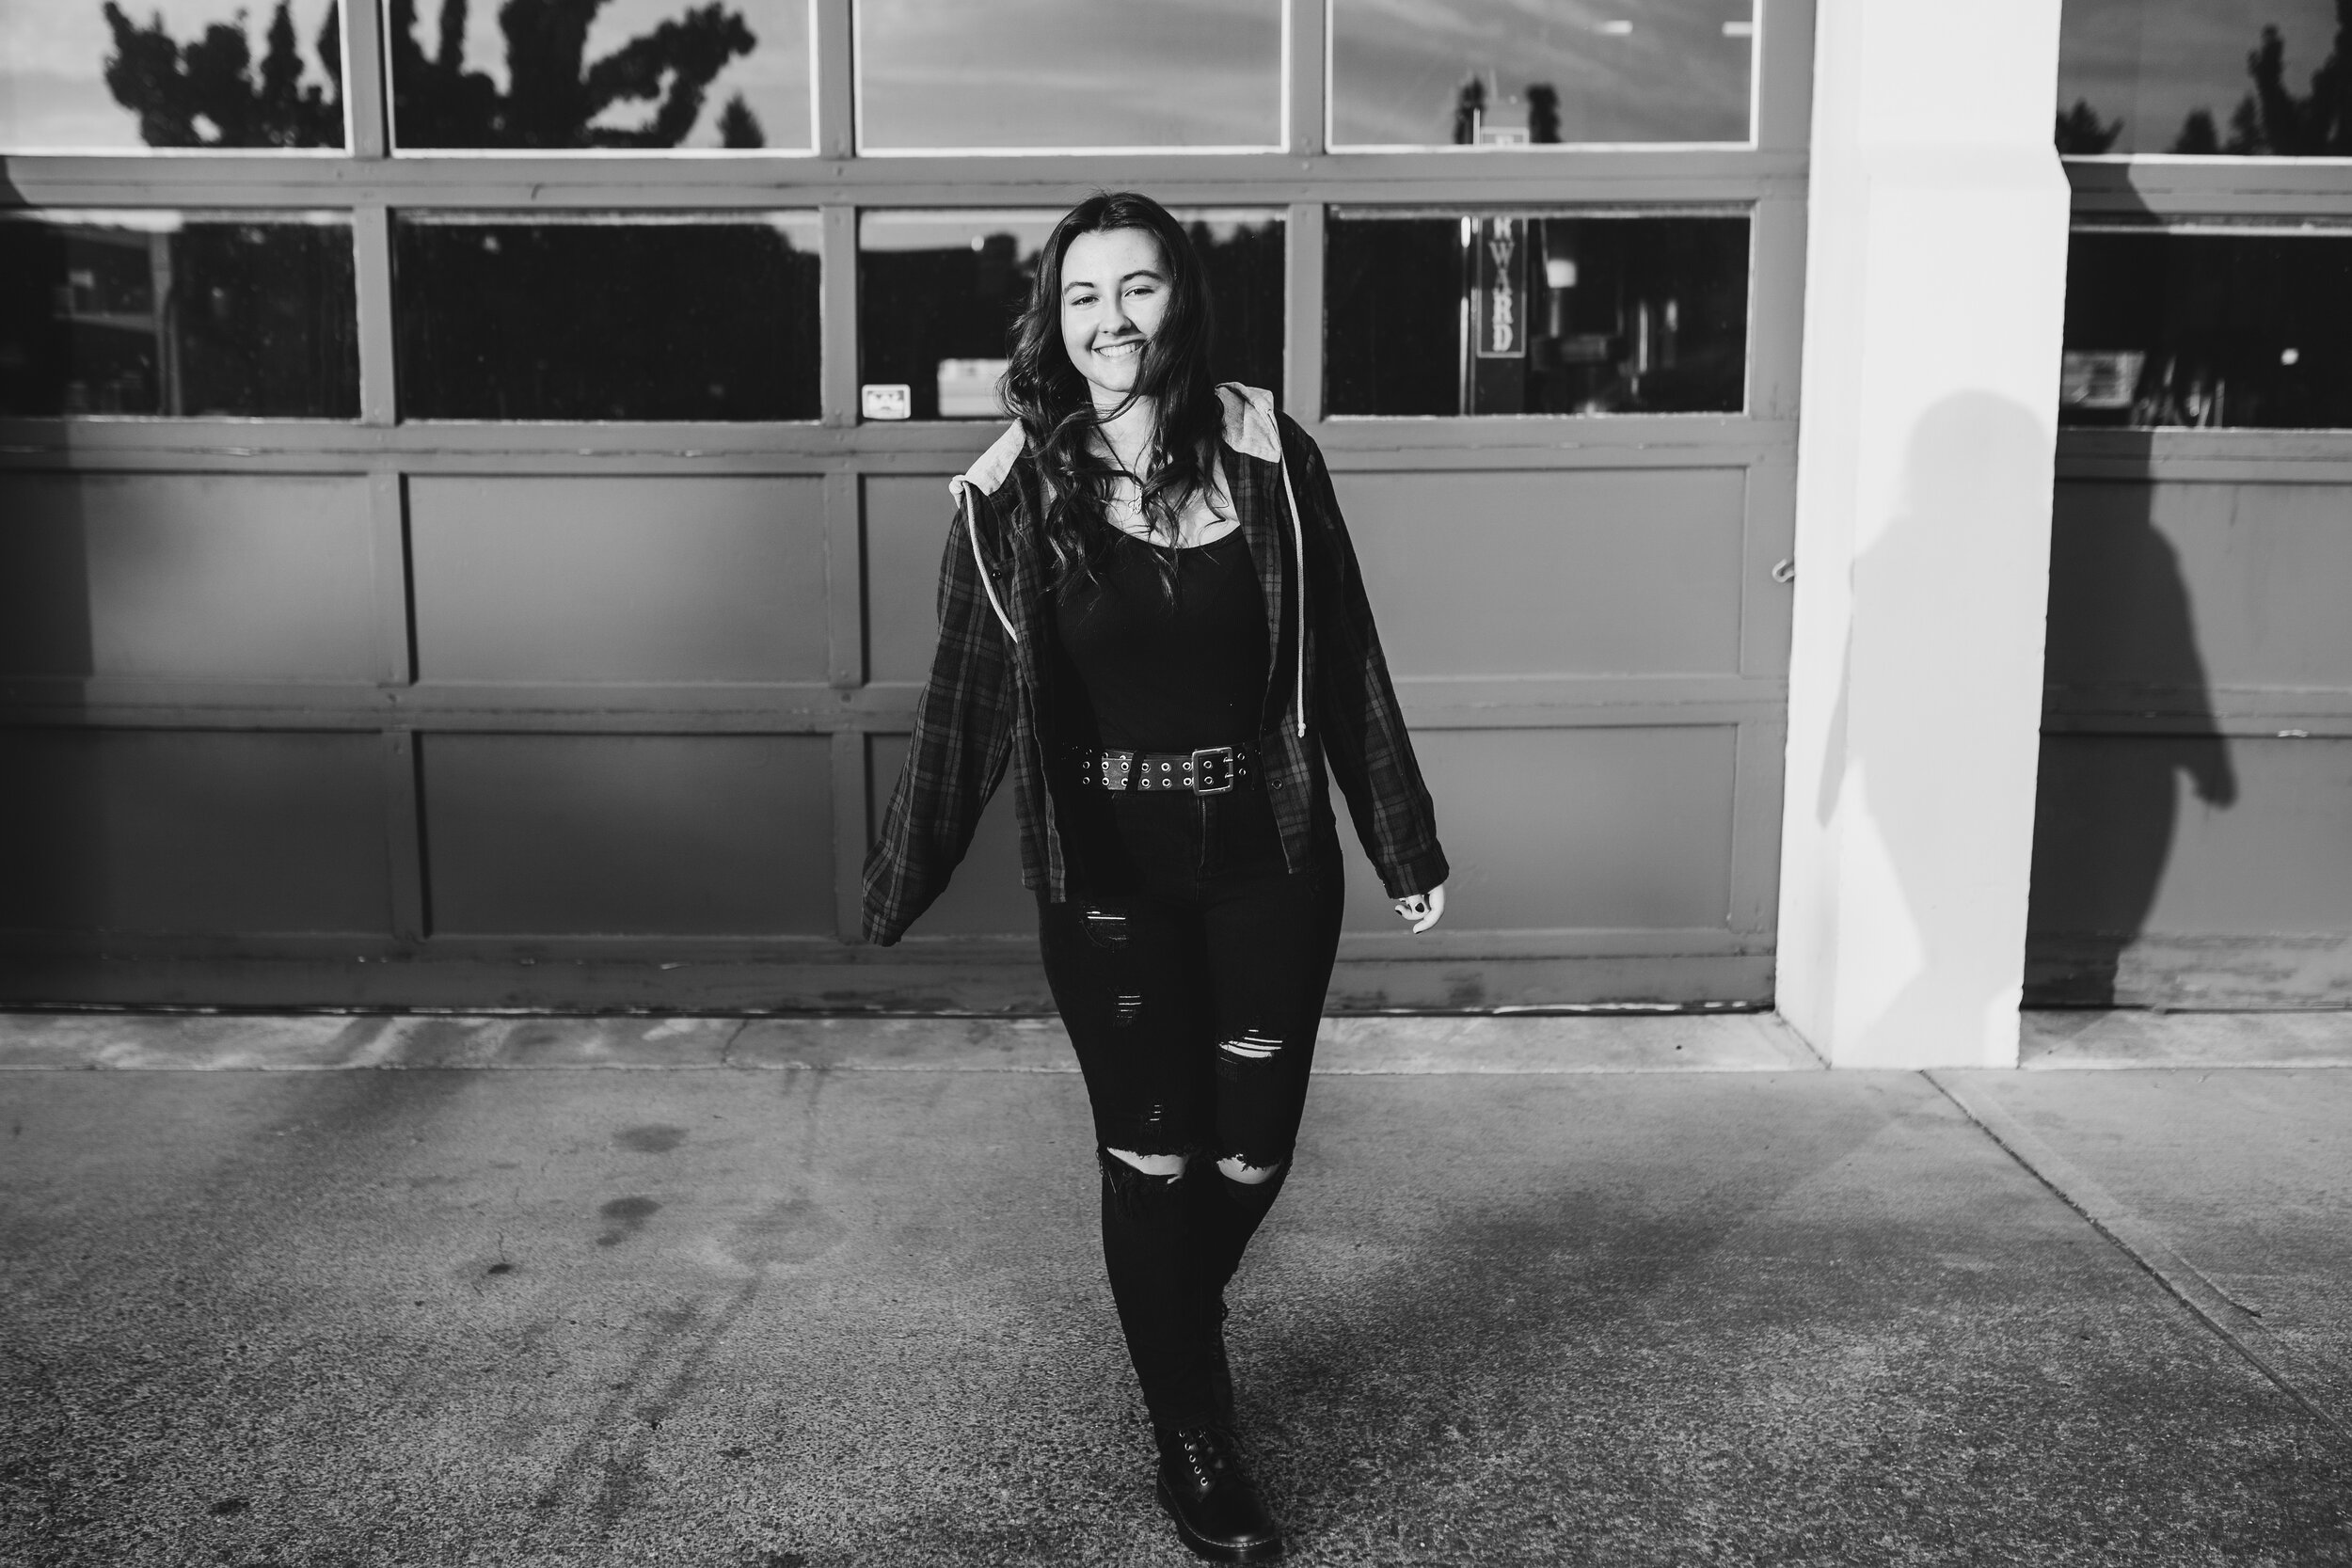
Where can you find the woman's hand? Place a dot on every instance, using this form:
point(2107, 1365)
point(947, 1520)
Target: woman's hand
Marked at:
point(1423, 910)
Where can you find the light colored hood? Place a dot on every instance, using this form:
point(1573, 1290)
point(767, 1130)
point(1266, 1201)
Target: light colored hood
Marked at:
point(1249, 429)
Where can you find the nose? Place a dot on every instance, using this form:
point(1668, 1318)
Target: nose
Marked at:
point(1116, 323)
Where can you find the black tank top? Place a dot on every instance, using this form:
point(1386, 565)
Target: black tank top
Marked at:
point(1162, 675)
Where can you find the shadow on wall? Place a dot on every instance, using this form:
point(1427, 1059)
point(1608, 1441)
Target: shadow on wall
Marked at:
point(2127, 724)
point(1972, 457)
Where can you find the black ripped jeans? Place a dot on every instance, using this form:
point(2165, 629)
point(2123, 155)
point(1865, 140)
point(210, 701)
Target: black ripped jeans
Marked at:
point(1190, 967)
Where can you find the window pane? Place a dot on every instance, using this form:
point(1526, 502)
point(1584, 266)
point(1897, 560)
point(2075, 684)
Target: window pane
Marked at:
point(1535, 313)
point(2251, 329)
point(644, 74)
point(81, 76)
point(605, 317)
point(950, 76)
point(938, 291)
point(1439, 73)
point(167, 313)
point(2243, 77)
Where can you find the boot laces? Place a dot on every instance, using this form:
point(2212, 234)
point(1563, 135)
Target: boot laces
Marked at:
point(1202, 1450)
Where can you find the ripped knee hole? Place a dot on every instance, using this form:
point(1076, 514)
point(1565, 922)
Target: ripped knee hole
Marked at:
point(1150, 1164)
point(1252, 1045)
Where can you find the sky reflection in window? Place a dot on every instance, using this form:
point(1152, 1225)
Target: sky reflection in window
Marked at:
point(1051, 74)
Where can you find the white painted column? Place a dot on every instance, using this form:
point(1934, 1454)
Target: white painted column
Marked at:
point(1934, 302)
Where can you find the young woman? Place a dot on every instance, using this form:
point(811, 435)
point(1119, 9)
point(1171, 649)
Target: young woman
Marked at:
point(1150, 612)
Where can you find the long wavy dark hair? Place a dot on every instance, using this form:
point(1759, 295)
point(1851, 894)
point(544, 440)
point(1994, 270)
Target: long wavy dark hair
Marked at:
point(1055, 407)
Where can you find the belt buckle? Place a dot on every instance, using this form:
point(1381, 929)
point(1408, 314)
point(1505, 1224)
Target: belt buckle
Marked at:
point(1222, 757)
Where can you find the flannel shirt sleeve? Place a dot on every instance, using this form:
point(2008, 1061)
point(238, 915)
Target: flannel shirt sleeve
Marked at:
point(1355, 706)
point(963, 729)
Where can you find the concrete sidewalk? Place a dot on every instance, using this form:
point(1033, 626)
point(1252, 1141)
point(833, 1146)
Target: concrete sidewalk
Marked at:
point(1621, 1290)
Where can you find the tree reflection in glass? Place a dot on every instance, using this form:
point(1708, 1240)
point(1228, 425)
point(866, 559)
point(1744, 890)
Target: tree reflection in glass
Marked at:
point(577, 76)
point(2138, 76)
point(210, 92)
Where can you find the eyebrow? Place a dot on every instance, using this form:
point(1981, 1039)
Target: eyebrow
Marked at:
point(1153, 273)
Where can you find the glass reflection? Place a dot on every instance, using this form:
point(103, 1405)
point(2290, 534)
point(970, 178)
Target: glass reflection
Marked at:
point(2243, 78)
point(85, 75)
point(1468, 72)
point(599, 316)
point(1028, 74)
point(2208, 328)
point(938, 291)
point(163, 313)
point(1535, 313)
point(625, 74)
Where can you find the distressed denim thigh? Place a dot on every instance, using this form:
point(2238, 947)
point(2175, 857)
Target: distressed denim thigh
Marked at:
point(1270, 943)
point(1128, 979)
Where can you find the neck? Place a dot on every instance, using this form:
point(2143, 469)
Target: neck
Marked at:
point(1129, 433)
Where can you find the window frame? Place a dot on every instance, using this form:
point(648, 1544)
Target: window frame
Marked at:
point(371, 179)
point(1306, 177)
point(2166, 190)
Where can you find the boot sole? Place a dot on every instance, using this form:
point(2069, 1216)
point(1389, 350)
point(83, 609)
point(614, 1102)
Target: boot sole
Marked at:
point(1216, 1551)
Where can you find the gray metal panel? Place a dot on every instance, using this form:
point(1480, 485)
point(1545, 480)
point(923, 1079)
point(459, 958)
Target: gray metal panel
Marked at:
point(187, 577)
point(2193, 833)
point(986, 897)
point(618, 580)
point(2124, 843)
point(192, 832)
point(906, 528)
point(553, 834)
point(2149, 582)
point(1549, 829)
point(1533, 572)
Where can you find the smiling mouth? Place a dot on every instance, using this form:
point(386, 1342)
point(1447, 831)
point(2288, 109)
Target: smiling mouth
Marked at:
point(1121, 349)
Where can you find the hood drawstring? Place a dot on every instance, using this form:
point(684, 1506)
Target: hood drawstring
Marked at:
point(1298, 553)
point(972, 532)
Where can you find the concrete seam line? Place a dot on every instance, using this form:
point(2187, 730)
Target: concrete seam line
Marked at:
point(2145, 1246)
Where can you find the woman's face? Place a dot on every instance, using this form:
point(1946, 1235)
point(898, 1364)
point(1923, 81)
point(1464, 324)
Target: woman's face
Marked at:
point(1114, 292)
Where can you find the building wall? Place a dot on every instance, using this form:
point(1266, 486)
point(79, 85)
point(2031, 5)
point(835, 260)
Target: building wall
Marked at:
point(2196, 772)
point(432, 702)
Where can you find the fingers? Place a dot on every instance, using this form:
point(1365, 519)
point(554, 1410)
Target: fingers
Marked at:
point(1421, 910)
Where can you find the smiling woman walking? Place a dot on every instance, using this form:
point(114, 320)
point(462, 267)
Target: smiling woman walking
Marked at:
point(1151, 613)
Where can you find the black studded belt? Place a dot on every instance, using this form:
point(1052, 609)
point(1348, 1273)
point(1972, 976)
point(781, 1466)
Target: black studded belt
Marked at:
point(1211, 770)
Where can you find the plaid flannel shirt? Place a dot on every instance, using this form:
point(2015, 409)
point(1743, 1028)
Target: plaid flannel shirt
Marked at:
point(984, 709)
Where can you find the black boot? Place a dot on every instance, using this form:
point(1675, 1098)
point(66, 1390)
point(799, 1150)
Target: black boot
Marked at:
point(1216, 1507)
